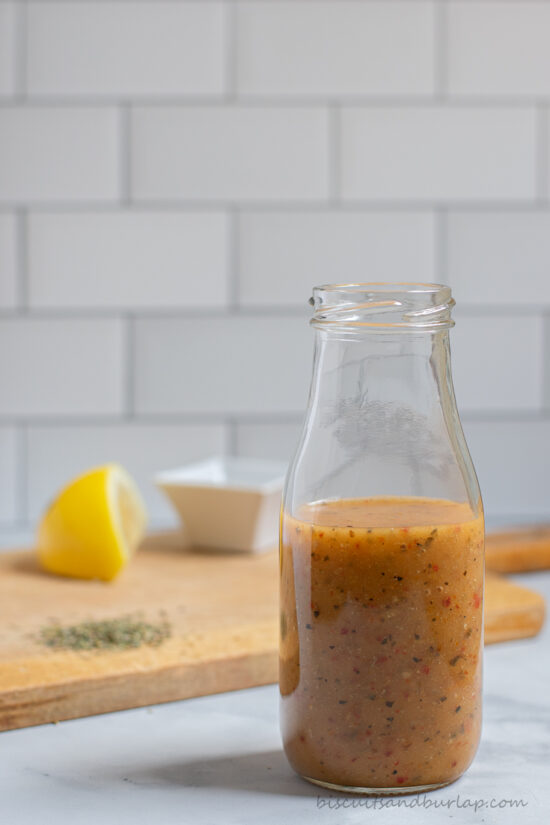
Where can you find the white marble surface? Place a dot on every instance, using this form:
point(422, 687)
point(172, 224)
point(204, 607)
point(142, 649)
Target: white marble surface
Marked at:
point(218, 761)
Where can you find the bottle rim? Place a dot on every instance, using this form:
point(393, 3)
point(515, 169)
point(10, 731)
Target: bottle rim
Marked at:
point(383, 306)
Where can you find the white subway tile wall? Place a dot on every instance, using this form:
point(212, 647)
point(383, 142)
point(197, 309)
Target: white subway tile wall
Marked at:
point(498, 363)
point(175, 175)
point(58, 153)
point(282, 253)
point(512, 465)
point(57, 452)
point(220, 153)
point(235, 365)
point(8, 24)
point(8, 476)
point(124, 48)
point(500, 258)
point(499, 48)
point(127, 260)
point(443, 153)
point(342, 48)
point(61, 366)
point(267, 439)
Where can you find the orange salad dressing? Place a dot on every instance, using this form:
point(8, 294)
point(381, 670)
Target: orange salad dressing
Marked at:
point(381, 640)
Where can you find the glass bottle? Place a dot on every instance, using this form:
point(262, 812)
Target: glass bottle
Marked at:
point(381, 552)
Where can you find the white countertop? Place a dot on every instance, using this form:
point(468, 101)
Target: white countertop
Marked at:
point(218, 760)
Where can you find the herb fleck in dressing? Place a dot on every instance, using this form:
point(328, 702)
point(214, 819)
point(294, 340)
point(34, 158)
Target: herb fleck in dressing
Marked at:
point(387, 614)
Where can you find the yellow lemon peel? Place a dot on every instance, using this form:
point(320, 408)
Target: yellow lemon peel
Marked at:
point(93, 526)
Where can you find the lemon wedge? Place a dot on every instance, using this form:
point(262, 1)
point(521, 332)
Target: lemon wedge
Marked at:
point(93, 526)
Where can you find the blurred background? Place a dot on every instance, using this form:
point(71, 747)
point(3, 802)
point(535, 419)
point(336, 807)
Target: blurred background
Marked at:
point(176, 176)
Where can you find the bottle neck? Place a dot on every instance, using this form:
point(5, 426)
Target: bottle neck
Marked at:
point(382, 418)
point(410, 372)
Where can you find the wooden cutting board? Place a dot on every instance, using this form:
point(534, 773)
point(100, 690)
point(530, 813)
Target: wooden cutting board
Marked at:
point(223, 613)
point(518, 549)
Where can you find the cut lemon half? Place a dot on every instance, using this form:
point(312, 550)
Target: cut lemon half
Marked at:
point(93, 526)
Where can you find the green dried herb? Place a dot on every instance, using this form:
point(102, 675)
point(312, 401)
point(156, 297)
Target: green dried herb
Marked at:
point(109, 634)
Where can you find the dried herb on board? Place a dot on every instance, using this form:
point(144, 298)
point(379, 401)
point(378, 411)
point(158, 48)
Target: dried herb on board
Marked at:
point(122, 633)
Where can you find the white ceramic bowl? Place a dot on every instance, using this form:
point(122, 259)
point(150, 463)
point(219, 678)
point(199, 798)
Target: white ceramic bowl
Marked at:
point(228, 503)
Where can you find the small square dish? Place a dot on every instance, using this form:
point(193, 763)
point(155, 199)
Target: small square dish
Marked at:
point(227, 503)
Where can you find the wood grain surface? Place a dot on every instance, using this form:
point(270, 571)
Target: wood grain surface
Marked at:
point(223, 612)
point(519, 549)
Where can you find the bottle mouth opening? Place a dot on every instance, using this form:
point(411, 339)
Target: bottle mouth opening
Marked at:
point(395, 307)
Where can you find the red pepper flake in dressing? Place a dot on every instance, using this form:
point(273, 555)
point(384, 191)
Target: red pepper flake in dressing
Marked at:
point(425, 669)
point(446, 602)
point(477, 600)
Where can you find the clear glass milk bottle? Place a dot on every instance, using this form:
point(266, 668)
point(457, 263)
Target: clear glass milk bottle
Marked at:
point(381, 552)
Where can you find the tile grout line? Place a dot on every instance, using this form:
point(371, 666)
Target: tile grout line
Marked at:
point(441, 245)
point(318, 205)
point(257, 311)
point(20, 56)
point(231, 444)
point(22, 266)
point(230, 80)
point(541, 159)
point(268, 100)
point(440, 41)
point(128, 376)
point(232, 276)
point(276, 2)
point(22, 472)
point(54, 421)
point(125, 152)
point(216, 419)
point(546, 363)
point(334, 115)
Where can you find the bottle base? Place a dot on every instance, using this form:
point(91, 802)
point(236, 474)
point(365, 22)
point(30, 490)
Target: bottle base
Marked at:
point(398, 791)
